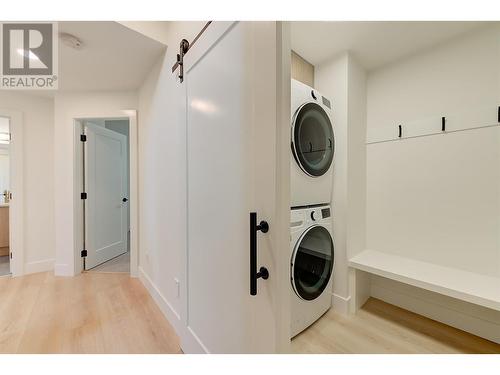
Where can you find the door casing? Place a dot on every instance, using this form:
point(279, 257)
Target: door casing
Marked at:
point(94, 213)
point(131, 115)
point(16, 206)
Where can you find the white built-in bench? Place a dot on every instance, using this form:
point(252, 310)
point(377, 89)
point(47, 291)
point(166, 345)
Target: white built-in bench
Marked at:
point(467, 286)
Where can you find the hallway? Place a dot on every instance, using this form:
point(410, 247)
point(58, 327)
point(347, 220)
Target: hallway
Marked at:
point(90, 313)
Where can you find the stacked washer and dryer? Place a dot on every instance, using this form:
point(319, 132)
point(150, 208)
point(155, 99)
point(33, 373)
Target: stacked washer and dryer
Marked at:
point(312, 246)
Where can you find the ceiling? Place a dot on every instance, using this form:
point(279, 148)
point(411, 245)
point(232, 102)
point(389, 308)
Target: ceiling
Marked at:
point(113, 57)
point(374, 43)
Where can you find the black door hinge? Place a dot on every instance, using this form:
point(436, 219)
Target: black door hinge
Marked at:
point(83, 138)
point(10, 255)
point(84, 253)
point(83, 195)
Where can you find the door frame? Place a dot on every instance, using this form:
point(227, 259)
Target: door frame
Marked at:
point(133, 187)
point(16, 205)
point(283, 160)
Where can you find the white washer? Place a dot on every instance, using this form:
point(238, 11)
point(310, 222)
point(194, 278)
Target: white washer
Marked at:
point(312, 261)
point(313, 147)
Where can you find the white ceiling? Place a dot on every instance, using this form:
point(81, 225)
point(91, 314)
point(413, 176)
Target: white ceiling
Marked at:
point(113, 57)
point(374, 43)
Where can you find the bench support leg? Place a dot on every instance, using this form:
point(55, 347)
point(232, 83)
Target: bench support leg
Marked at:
point(359, 288)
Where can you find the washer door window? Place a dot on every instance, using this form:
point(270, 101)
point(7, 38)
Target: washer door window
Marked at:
point(313, 142)
point(312, 263)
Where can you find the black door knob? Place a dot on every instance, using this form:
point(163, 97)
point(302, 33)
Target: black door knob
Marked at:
point(124, 200)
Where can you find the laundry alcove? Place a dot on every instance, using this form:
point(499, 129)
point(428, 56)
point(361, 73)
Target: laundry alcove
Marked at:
point(416, 190)
point(433, 192)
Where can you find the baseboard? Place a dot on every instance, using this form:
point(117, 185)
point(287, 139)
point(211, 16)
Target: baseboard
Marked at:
point(190, 343)
point(340, 304)
point(63, 270)
point(166, 308)
point(466, 316)
point(39, 266)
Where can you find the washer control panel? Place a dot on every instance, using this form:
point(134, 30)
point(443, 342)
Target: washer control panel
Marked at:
point(309, 215)
point(320, 213)
point(325, 212)
point(314, 215)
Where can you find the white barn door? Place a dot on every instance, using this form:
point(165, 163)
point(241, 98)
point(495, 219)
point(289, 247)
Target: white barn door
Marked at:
point(230, 83)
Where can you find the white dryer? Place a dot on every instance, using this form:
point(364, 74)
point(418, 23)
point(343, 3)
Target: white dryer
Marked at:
point(311, 262)
point(313, 147)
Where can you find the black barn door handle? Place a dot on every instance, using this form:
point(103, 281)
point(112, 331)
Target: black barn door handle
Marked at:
point(263, 272)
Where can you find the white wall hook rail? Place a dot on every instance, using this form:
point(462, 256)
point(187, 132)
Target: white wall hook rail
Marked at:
point(471, 118)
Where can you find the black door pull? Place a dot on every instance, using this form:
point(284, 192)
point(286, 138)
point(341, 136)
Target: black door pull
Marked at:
point(124, 200)
point(263, 272)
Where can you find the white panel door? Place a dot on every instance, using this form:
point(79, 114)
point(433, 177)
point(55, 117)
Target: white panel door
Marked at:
point(230, 83)
point(106, 188)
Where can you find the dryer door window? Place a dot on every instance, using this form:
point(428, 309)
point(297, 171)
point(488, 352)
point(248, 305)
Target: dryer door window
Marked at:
point(313, 143)
point(312, 263)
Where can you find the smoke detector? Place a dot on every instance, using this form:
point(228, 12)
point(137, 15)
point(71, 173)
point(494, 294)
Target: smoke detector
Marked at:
point(71, 41)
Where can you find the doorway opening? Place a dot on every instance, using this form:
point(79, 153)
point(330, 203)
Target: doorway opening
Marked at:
point(105, 194)
point(5, 266)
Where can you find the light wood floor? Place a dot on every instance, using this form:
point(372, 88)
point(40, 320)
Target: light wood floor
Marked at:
point(90, 313)
point(113, 313)
point(119, 264)
point(382, 328)
point(4, 265)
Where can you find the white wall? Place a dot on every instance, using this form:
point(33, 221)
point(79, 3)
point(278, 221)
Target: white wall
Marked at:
point(343, 81)
point(119, 126)
point(356, 157)
point(437, 198)
point(38, 117)
point(67, 107)
point(162, 177)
